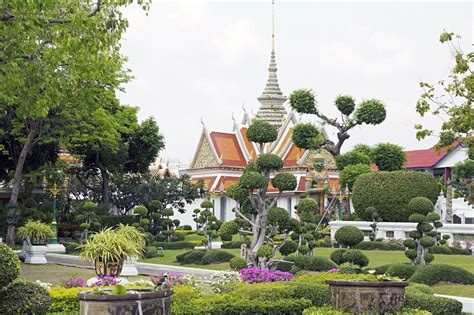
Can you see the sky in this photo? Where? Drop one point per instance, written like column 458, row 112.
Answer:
column 193, row 60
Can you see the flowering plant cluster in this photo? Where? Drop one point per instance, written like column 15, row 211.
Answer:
column 45, row 285
column 333, row 270
column 75, row 283
column 257, row 275
column 105, row 281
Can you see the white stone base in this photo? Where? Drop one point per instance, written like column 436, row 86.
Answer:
column 55, row 248
column 130, row 267
column 36, row 255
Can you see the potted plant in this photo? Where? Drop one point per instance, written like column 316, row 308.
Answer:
column 133, row 235
column 108, row 249
column 36, row 235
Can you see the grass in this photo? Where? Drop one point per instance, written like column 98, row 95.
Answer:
column 454, row 289
column 57, row 274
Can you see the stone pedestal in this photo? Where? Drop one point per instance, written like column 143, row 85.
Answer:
column 136, row 301
column 130, row 267
column 35, row 255
column 55, row 248
column 377, row 297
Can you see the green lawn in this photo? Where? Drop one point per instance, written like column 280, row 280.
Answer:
column 376, row 258
column 454, row 289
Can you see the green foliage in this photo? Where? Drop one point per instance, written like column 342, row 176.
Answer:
column 151, row 252
column 318, row 294
column 390, row 193
column 191, row 257
column 427, row 241
column 229, row 227
column 265, row 251
column 303, row 101
column 345, row 104
column 355, row 257
column 119, row 290
column 269, row 162
column 9, row 265
column 388, row 157
column 237, row 263
column 237, row 192
column 303, row 249
column 174, row 245
column 284, row 182
column 278, row 217
column 24, row 297
column 64, row 300
column 352, row 158
column 433, row 274
column 35, row 232
column 416, row 218
column 337, row 256
column 349, row 175
column 140, row 210
column 306, row 136
column 235, row 244
column 371, row 112
column 261, row 132
column 288, row 248
column 349, row 235
column 225, row 237
column 402, row 271
column 252, row 180
column 435, row 305
column 207, row 204
column 216, row 257
column 307, row 205
column 308, row 263
column 378, row 246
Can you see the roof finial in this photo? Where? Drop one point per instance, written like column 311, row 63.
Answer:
column 273, row 25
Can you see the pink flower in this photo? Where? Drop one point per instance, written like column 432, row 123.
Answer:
column 257, row 275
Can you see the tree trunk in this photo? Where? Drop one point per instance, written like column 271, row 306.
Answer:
column 105, row 186
column 16, row 183
column 449, row 202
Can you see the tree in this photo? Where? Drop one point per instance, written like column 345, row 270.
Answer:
column 348, row 176
column 388, row 157
column 375, row 220
column 352, row 158
column 451, row 99
column 207, row 220
column 307, row 136
column 464, row 174
column 56, row 56
column 255, row 181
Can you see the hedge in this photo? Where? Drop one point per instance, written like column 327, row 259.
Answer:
column 24, row 297
column 234, row 244
column 203, row 257
column 328, row 310
column 378, row 246
column 9, row 265
column 114, row 220
column 174, row 245
column 64, row 300
column 309, row 263
column 390, row 193
column 432, row 274
column 216, row 257
column 433, row 304
column 402, row 271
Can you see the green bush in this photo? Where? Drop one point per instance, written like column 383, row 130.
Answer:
column 328, row 310
column 237, row 263
column 432, row 274
column 226, row 237
column 229, row 228
column 216, row 256
column 308, row 263
column 459, row 251
column 380, row 270
column 24, row 297
column 151, row 252
column 72, row 247
column 418, row 288
column 113, row 220
column 402, row 271
column 378, row 246
column 349, row 235
column 337, row 256
column 288, row 248
column 435, row 305
column 421, row 205
column 319, row 295
column 191, row 257
column 174, row 245
column 234, row 244
column 390, row 193
column 64, row 300
column 355, row 257
column 261, row 132
column 9, row 265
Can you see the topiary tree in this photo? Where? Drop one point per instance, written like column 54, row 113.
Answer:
column 255, row 181
column 208, row 221
column 421, row 205
column 423, row 238
column 306, row 210
column 375, row 220
column 352, row 158
column 9, row 265
column 88, row 220
column 463, row 174
column 390, row 193
column 388, row 157
column 349, row 175
column 351, row 256
column 308, row 136
column 228, row 229
column 349, row 236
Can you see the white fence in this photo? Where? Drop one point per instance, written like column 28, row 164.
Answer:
column 400, row 230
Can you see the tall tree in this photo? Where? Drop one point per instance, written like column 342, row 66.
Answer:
column 308, row 136
column 55, row 56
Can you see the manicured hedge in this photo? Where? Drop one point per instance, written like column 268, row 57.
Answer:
column 309, row 263
column 174, row 245
column 234, row 244
column 390, row 193
column 403, row 271
column 433, row 304
column 432, row 274
column 328, row 310
column 64, row 300
column 114, row 220
column 24, row 297
column 9, row 265
column 203, row 257
column 378, row 246
column 191, row 257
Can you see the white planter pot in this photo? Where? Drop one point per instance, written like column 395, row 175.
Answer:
column 55, row 248
column 130, row 267
column 36, row 255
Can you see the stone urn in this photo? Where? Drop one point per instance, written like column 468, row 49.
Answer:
column 35, row 254
column 377, row 297
column 135, row 301
column 130, row 267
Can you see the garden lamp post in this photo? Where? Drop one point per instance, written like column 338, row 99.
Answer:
column 53, row 244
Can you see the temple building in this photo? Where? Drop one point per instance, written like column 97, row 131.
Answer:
column 221, row 156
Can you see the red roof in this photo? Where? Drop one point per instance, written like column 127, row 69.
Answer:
column 228, row 149
column 426, row 158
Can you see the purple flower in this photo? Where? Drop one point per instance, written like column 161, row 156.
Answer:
column 170, row 278
column 75, row 283
column 257, row 275
column 333, row 270
column 105, row 281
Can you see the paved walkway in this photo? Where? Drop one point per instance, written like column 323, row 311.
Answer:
column 143, row 268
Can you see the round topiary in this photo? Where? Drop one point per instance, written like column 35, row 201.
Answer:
column 237, row 263
column 284, row 181
column 229, row 228
column 261, row 132
column 356, row 257
column 303, row 249
column 306, row 136
column 427, row 241
column 265, row 251
column 352, row 158
column 252, row 180
column 226, row 237
column 415, row 234
column 337, row 256
column 24, row 297
column 269, row 162
column 410, row 253
column 349, row 235
column 168, row 212
column 371, row 112
column 421, row 205
column 409, row 243
column 424, row 227
column 278, row 217
column 417, row 218
column 288, row 248
column 307, row 205
column 402, row 271
column 303, row 101
column 345, row 104
column 207, row 204
column 140, row 210
column 9, row 265
column 429, row 257
column 432, row 216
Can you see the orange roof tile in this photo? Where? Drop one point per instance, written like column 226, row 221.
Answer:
column 248, row 144
column 208, row 181
column 228, row 149
column 225, row 181
column 292, row 156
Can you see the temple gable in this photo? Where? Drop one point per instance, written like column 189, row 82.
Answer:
column 205, row 156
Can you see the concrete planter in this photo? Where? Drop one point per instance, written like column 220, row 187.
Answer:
column 35, row 254
column 138, row 301
column 367, row 296
column 56, row 248
column 130, row 267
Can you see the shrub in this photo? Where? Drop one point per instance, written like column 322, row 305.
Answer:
column 337, row 256
column 174, row 245
column 349, row 235
column 328, row 310
column 440, row 250
column 113, row 220
column 319, row 295
column 388, row 157
column 151, row 252
column 378, row 246
column 403, row 271
column 258, row 275
column 216, row 256
column 177, row 237
column 459, row 251
column 226, row 237
column 418, row 288
column 191, row 257
column 237, row 263
column 23, row 297
column 229, row 227
column 380, row 270
column 308, row 263
column 261, row 132
column 234, row 244
column 64, row 300
column 72, row 247
column 289, row 247
column 421, row 205
column 355, row 257
column 352, row 158
column 432, row 274
column 435, row 305
column 390, row 193
column 186, row 227
column 9, row 265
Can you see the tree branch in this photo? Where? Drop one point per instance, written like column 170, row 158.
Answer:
column 7, row 15
column 274, row 201
column 245, row 218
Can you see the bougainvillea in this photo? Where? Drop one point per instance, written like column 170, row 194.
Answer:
column 257, row 275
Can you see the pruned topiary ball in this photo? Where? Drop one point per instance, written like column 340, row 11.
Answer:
column 349, row 235
column 261, row 132
column 269, row 162
column 252, row 180
column 345, row 104
column 284, row 182
column 420, row 205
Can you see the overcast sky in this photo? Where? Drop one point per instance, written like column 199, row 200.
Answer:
column 208, row 58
